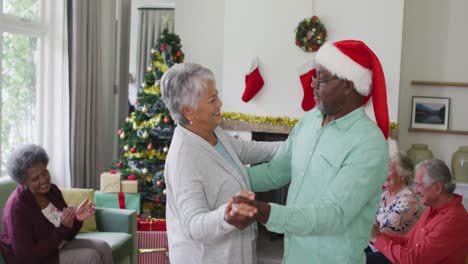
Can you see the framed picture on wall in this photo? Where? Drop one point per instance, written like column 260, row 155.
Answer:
column 430, row 112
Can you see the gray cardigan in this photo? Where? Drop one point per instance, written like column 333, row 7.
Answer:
column 199, row 181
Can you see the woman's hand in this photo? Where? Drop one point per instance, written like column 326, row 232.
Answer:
column 85, row 210
column 68, row 216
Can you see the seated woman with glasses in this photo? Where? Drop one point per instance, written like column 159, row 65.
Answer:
column 38, row 226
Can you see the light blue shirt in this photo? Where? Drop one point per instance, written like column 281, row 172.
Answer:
column 336, row 173
column 222, row 151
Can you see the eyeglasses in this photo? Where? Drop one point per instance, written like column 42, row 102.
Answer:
column 322, row 82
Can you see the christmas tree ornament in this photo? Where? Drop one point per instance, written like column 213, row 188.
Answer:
column 165, row 149
column 146, row 135
column 119, row 131
column 164, row 191
column 153, row 51
column 167, row 120
column 127, row 119
column 253, row 81
column 122, row 136
column 119, row 165
column 126, row 147
column 131, row 177
column 159, row 183
column 157, row 199
column 135, row 126
column 306, row 73
column 150, row 147
column 150, row 68
column 143, row 85
column 354, row 61
column 144, row 109
column 144, row 171
column 133, row 149
column 163, row 47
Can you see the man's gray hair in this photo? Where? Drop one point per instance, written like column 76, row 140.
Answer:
column 437, row 171
column 404, row 167
column 23, row 158
column 182, row 86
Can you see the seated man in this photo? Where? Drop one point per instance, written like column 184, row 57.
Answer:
column 440, row 235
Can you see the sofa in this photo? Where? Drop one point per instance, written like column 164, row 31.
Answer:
column 115, row 226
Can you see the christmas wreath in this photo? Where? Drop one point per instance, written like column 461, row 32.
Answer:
column 310, row 34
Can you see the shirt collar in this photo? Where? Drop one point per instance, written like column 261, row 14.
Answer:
column 445, row 207
column 344, row 122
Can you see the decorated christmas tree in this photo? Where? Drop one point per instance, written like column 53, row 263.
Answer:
column 147, row 133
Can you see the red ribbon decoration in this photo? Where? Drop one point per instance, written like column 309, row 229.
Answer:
column 121, row 200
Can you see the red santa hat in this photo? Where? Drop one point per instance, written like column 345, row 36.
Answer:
column 354, row 61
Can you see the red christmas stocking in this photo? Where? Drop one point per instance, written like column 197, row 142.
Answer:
column 253, row 82
column 308, row 101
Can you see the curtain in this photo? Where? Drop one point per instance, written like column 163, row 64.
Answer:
column 85, row 65
column 53, row 97
column 150, row 26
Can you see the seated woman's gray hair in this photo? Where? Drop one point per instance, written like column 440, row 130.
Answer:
column 182, row 86
column 23, row 158
column 404, row 166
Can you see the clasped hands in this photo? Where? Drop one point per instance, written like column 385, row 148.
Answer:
column 242, row 210
column 81, row 213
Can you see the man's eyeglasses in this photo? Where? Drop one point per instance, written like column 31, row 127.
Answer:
column 322, row 82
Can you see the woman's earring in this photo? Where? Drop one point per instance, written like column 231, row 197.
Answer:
column 191, row 123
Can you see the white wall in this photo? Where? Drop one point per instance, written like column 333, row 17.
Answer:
column 200, row 27
column 434, row 48
column 225, row 35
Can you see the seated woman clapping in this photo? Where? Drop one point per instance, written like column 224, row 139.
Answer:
column 38, row 226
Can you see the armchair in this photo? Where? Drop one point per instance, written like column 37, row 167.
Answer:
column 116, row 227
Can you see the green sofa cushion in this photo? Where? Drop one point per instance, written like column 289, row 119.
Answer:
column 115, row 240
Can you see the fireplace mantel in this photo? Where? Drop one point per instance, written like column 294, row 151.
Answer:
column 237, row 125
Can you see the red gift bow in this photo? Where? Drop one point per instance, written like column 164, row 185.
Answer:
column 121, row 200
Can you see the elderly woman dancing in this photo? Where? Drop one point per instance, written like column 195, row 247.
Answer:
column 38, row 226
column 399, row 207
column 204, row 168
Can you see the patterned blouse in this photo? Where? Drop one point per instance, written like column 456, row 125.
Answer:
column 398, row 216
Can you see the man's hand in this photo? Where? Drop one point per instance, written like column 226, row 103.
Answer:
column 243, row 210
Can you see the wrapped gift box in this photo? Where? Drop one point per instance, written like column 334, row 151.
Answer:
column 151, row 224
column 129, row 186
column 152, row 247
column 110, row 182
column 131, row 201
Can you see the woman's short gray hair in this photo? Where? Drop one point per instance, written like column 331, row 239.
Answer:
column 182, row 86
column 437, row 171
column 23, row 158
column 404, row 167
